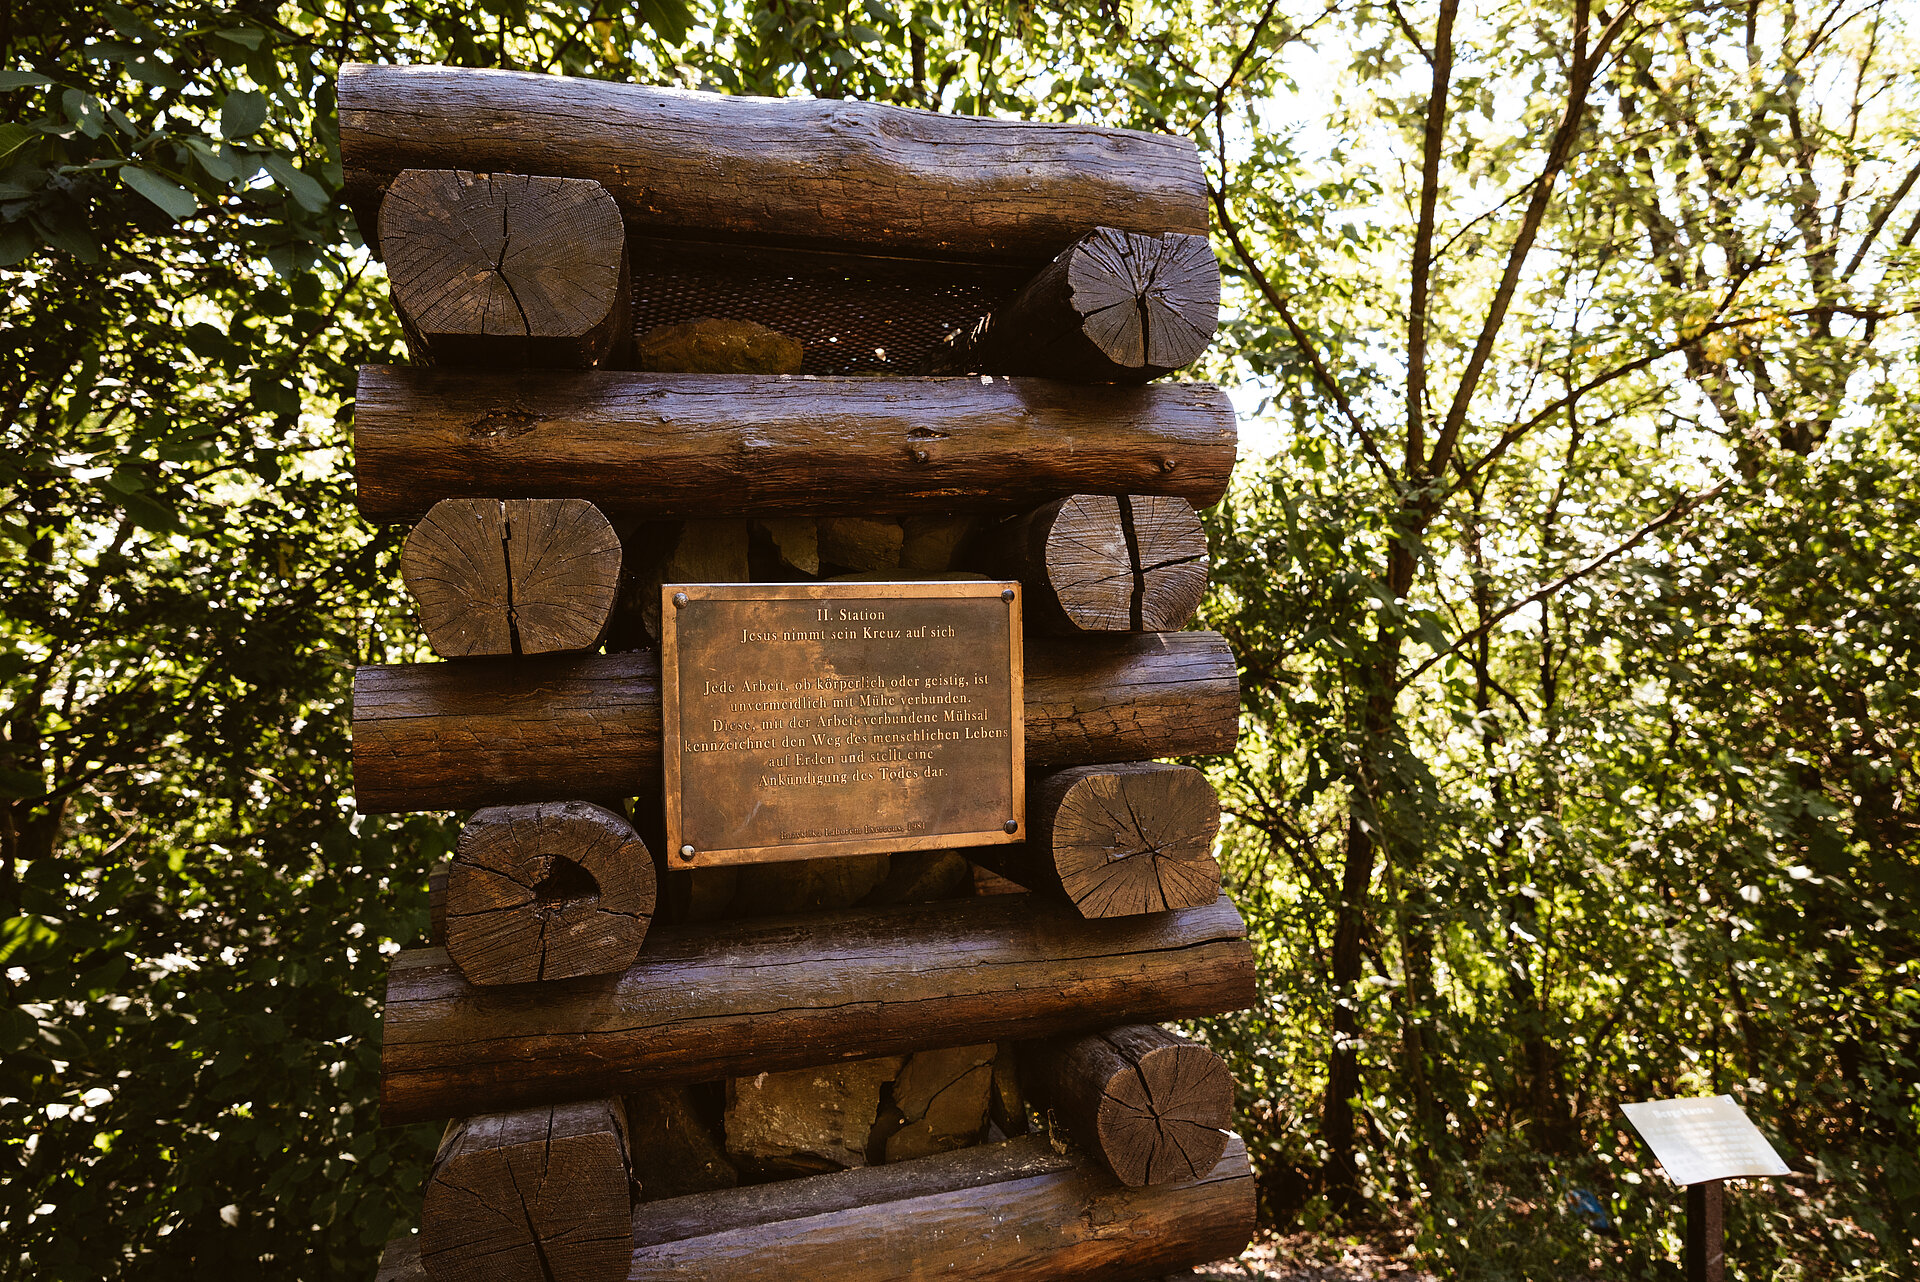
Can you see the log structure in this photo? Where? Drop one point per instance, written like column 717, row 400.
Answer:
column 1116, row 307
column 1117, row 840
column 833, row 174
column 548, row 891
column 436, row 736
column 540, row 1195
column 714, row 445
column 1149, row 1105
column 506, row 269
column 662, row 337
column 514, row 576
column 1013, row 1210
column 734, row 999
column 1100, row 562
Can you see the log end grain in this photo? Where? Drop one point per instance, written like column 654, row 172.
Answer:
column 549, row 891
column 1134, row 838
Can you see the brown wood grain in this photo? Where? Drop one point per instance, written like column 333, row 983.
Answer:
column 1116, row 307
column 547, row 891
column 731, row 445
column 1010, row 1212
column 515, row 576
column 1100, row 562
column 734, row 999
column 482, row 732
column 538, row 1195
column 506, row 269
column 831, row 174
column 1117, row 840
column 1149, row 1105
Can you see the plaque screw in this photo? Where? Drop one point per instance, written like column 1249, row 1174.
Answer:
column 1167, row 465
column 1007, row 595
column 1012, row 825
column 686, row 852
column 680, row 599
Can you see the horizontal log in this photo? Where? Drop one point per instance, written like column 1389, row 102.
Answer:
column 832, row 174
column 739, row 998
column 1117, row 840
column 538, row 1195
column 1149, row 1105
column 483, row 732
column 1010, row 1212
column 1117, row 307
column 733, row 445
column 506, row 269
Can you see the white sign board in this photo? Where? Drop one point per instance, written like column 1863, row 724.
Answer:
column 1704, row 1139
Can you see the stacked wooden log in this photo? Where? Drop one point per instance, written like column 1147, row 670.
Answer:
column 875, row 1065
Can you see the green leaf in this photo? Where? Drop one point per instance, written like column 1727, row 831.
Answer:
column 242, row 114
column 23, row 80
column 172, row 198
column 12, row 138
column 149, row 514
column 242, row 36
column 668, row 17
column 310, row 194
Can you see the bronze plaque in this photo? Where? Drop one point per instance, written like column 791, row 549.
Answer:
column 811, row 719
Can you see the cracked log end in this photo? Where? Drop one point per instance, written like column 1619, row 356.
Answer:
column 506, row 269
column 519, row 576
column 548, row 891
column 1134, row 838
column 1151, row 1105
column 1102, row 563
column 540, row 1195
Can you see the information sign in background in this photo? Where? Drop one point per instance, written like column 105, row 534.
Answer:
column 812, row 719
column 1709, row 1138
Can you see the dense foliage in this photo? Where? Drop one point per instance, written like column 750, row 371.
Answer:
column 1571, row 567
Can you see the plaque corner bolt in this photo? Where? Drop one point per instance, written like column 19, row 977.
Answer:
column 680, row 599
column 1011, row 825
column 1007, row 594
column 687, row 853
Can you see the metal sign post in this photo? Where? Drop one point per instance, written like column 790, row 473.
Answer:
column 1701, row 1143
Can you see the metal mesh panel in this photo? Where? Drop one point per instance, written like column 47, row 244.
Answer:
column 854, row 315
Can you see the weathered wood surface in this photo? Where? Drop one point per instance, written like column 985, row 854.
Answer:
column 1100, row 562
column 1152, row 1106
column 1116, row 307
column 506, row 269
column 1117, row 840
column 513, row 576
column 737, row 998
column 834, row 174
column 1010, row 1212
column 547, row 891
column 543, row 1194
column 445, row 736
column 730, row 445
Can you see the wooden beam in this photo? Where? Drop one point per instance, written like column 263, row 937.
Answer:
column 1114, row 841
column 1117, row 307
column 539, row 1195
column 1100, row 562
column 738, row 998
column 514, row 576
column 506, row 269
column 753, row 445
column 1014, row 1210
column 484, row 732
column 1149, row 1105
column 548, row 891
column 829, row 174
